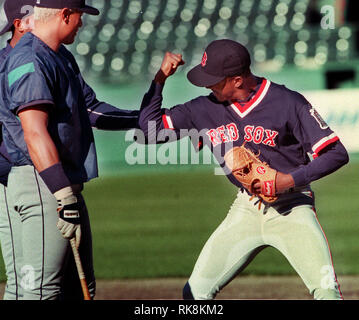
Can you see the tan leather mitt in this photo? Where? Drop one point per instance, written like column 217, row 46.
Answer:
column 249, row 169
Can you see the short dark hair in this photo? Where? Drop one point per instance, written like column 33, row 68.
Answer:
column 246, row 72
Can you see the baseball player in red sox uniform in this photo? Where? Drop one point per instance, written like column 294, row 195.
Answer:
column 290, row 136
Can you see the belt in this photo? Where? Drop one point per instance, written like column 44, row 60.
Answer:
column 297, row 189
column 291, row 190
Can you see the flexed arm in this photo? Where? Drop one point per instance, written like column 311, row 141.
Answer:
column 152, row 101
column 169, row 66
column 328, row 161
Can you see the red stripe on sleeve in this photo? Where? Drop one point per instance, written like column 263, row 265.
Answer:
column 325, row 144
column 165, row 123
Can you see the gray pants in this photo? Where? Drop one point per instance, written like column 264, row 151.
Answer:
column 10, row 246
column 48, row 271
column 246, row 230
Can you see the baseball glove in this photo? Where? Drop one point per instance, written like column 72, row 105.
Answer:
column 249, row 169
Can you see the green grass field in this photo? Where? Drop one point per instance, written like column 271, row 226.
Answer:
column 155, row 224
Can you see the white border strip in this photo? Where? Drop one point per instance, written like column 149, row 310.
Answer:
column 169, row 122
column 322, row 141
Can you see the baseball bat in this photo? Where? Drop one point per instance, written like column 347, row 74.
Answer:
column 80, row 270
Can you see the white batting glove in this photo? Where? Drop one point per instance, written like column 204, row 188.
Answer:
column 69, row 214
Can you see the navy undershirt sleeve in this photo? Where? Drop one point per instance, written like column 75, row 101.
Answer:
column 104, row 116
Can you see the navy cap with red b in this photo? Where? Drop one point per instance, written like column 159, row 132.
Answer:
column 71, row 4
column 10, row 10
column 221, row 59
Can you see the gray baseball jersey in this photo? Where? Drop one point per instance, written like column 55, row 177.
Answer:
column 32, row 75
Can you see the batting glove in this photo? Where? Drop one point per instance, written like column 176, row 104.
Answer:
column 69, row 215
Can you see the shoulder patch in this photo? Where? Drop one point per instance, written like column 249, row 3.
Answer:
column 314, row 113
column 19, row 72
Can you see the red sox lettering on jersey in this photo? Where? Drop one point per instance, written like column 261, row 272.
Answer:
column 276, row 121
column 229, row 133
column 223, row 134
column 260, row 135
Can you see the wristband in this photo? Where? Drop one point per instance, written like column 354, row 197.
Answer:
column 55, row 177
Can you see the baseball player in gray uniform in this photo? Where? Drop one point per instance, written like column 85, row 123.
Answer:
column 48, row 112
column 284, row 131
column 15, row 17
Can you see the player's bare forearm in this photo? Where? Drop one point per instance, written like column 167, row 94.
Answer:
column 40, row 145
column 283, row 182
column 170, row 63
column 43, row 152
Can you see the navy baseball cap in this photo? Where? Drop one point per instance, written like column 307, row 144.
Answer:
column 221, row 59
column 11, row 10
column 71, row 4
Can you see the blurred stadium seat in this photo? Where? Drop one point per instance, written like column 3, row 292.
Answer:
column 128, row 40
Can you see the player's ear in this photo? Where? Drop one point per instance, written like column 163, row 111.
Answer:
column 17, row 24
column 26, row 24
column 238, row 81
column 65, row 14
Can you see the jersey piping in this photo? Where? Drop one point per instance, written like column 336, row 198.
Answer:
column 242, row 111
column 321, row 144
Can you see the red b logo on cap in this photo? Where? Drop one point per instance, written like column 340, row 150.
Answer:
column 204, row 59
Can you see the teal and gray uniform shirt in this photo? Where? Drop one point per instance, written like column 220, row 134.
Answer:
column 33, row 74
column 36, row 75
column 5, row 162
